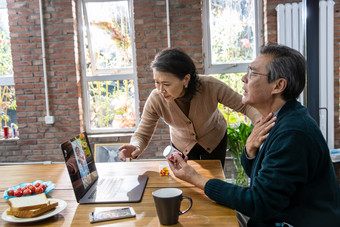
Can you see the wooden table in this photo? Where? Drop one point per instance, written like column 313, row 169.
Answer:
column 204, row 211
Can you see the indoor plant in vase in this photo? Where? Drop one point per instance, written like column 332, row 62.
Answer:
column 237, row 138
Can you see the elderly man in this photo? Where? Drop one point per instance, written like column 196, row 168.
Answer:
column 293, row 182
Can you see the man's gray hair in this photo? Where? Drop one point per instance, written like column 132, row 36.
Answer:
column 289, row 64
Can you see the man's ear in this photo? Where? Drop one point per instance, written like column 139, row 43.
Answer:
column 279, row 86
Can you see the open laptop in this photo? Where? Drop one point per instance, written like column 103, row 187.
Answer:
column 88, row 186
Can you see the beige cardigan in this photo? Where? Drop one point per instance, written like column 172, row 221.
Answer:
column 205, row 124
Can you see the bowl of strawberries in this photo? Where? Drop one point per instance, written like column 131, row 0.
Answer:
column 28, row 189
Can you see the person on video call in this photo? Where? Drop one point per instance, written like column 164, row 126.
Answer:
column 82, row 166
column 188, row 103
column 293, row 182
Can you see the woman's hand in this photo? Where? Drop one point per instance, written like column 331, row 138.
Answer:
column 259, row 134
column 128, row 151
column 185, row 172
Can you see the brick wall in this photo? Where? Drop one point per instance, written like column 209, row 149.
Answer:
column 38, row 141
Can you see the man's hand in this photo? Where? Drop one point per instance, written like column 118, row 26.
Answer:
column 183, row 171
column 128, row 151
column 259, row 134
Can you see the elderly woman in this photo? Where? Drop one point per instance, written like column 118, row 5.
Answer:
column 188, row 103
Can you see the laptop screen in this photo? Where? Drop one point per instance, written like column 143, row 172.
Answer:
column 80, row 163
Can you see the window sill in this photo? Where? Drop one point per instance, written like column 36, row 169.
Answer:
column 10, row 139
column 99, row 135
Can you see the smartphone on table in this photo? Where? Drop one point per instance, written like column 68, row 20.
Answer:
column 111, row 213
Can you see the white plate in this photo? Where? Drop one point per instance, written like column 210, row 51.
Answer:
column 61, row 206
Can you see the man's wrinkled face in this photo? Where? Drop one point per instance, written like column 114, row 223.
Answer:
column 257, row 90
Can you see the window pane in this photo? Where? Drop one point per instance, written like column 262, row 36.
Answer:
column 6, row 67
column 232, row 28
column 234, row 81
column 8, row 106
column 112, row 104
column 8, row 113
column 109, row 49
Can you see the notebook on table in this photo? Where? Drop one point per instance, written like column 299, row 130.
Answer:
column 88, row 186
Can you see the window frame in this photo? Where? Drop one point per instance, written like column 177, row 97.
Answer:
column 7, row 81
column 210, row 68
column 104, row 75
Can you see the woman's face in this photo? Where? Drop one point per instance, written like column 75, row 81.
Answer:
column 79, row 153
column 169, row 85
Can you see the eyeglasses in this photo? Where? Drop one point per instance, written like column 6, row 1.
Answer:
column 250, row 73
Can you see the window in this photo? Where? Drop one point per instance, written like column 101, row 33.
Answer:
column 231, row 36
column 233, row 80
column 7, row 92
column 231, row 41
column 108, row 66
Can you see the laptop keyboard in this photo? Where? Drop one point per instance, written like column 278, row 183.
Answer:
column 107, row 188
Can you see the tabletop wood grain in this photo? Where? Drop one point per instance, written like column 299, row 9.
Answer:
column 204, row 212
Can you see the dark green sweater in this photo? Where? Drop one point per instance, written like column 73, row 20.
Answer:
column 292, row 177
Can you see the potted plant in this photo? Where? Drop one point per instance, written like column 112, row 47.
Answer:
column 237, row 138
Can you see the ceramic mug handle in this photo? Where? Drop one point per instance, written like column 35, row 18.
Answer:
column 188, row 198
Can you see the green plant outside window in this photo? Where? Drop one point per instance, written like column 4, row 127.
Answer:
column 233, row 80
column 6, row 66
column 232, row 30
column 7, row 90
column 7, row 102
column 238, row 128
column 112, row 104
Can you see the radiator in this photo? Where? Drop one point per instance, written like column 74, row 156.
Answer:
column 290, row 32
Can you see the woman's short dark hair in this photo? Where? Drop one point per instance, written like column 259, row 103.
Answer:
column 289, row 64
column 177, row 62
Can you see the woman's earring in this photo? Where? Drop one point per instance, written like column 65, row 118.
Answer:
column 186, row 86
